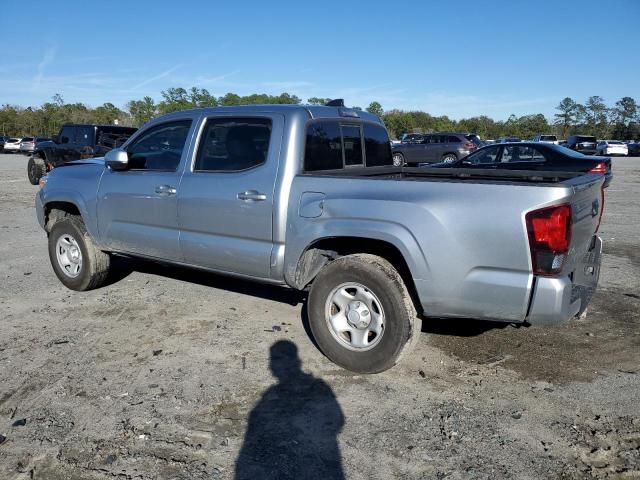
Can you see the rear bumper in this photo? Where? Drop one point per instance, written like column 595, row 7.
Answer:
column 556, row 300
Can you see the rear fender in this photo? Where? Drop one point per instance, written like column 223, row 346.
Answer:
column 393, row 233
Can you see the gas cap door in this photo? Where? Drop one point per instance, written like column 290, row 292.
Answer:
column 311, row 204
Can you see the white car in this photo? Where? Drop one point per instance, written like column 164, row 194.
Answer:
column 546, row 139
column 12, row 145
column 612, row 147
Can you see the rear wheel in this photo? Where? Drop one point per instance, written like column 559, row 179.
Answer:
column 75, row 259
column 449, row 157
column 361, row 315
column 36, row 168
column 398, row 160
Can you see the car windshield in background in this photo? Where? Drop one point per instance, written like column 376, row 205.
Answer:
column 548, row 138
column 581, row 139
column 614, row 142
column 27, row 139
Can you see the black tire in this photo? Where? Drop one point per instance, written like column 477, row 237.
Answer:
column 399, row 156
column 36, row 168
column 401, row 323
column 95, row 264
column 449, row 157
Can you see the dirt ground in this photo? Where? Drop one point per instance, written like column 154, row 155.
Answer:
column 175, row 374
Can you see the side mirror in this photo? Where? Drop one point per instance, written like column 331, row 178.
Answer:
column 117, row 159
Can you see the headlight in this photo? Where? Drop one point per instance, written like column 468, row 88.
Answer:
column 43, row 181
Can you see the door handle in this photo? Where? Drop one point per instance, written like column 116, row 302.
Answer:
column 165, row 190
column 252, row 196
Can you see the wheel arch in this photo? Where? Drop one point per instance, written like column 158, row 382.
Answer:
column 54, row 211
column 322, row 251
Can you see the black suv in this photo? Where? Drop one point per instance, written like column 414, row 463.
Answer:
column 582, row 143
column 75, row 142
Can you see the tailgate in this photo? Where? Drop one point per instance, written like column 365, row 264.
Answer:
column 587, row 203
column 582, row 264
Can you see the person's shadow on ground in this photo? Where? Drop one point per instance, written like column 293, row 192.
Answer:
column 293, row 429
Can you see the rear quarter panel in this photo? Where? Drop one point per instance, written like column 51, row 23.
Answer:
column 465, row 243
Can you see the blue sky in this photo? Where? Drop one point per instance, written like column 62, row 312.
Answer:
column 448, row 58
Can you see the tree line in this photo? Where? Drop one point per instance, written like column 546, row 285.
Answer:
column 594, row 117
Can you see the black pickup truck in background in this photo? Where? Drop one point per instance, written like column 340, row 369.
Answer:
column 75, row 142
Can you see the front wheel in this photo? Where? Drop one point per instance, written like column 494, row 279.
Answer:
column 398, row 160
column 449, row 158
column 75, row 259
column 36, row 168
column 361, row 315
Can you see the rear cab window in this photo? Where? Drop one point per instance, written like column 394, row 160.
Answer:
column 333, row 145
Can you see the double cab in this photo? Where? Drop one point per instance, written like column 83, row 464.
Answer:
column 308, row 198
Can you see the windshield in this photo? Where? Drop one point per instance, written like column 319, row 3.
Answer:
column 585, row 139
column 549, row 138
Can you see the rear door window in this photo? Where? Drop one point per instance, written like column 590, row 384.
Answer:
column 84, row 136
column 453, row 139
column 233, row 144
column 521, row 154
column 323, row 150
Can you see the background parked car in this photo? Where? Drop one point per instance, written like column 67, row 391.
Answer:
column 612, row 147
column 432, row 148
column 634, row 149
column 586, row 144
column 12, row 145
column 546, row 139
column 75, row 142
column 29, row 144
column 2, row 140
column 533, row 156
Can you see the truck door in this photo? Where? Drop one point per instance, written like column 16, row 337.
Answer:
column 138, row 207
column 225, row 202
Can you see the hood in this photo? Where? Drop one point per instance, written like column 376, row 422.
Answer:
column 85, row 161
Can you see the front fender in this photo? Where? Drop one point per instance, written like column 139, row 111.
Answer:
column 45, row 200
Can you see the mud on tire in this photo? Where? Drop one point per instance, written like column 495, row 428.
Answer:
column 36, row 168
column 377, row 290
column 75, row 259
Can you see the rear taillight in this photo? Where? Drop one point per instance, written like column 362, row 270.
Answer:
column 601, row 167
column 469, row 145
column 549, row 232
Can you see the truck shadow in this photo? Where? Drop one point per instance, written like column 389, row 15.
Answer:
column 460, row 327
column 125, row 267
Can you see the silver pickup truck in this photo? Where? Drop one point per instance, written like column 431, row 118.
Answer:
column 308, row 197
